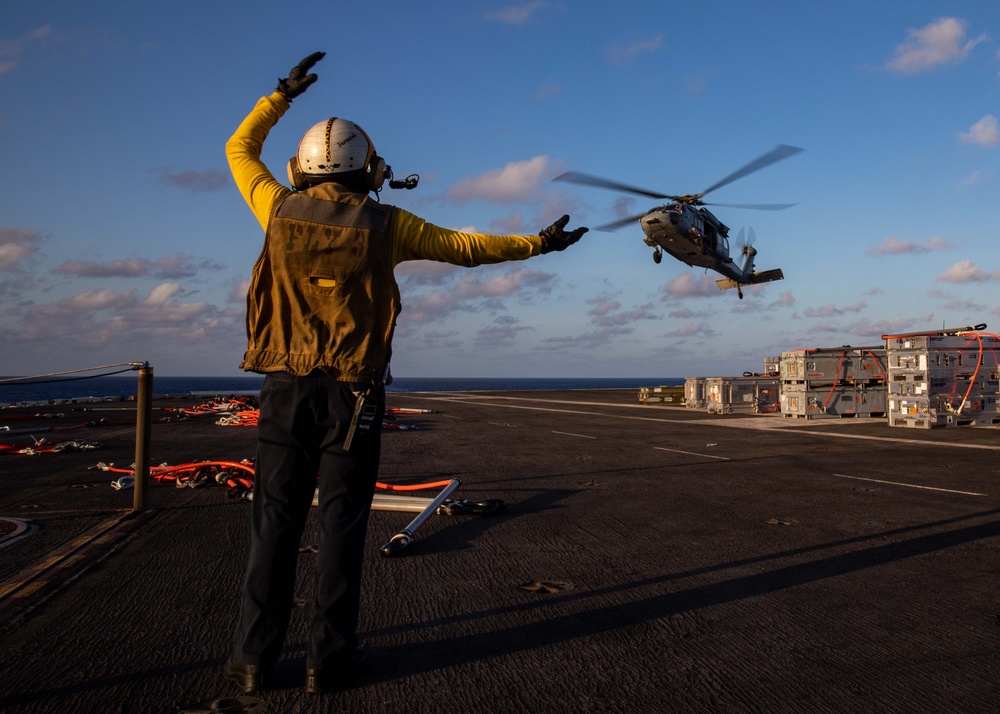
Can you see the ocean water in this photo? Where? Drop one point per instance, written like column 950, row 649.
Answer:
column 124, row 387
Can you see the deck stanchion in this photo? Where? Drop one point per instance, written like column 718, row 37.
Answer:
column 143, row 422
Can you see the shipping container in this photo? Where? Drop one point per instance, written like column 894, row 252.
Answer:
column 943, row 380
column 755, row 394
column 673, row 395
column 835, row 402
column 827, row 366
column 694, row 392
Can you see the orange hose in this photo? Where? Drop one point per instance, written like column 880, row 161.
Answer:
column 169, row 473
column 829, row 396
column 411, row 487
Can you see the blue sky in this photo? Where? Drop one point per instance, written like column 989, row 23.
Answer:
column 123, row 238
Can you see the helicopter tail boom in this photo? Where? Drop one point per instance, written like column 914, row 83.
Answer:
column 754, row 279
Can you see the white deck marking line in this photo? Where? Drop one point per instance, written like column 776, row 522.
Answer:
column 566, row 433
column 732, row 424
column 691, row 453
column 910, row 485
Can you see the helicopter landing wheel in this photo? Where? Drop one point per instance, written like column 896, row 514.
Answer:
column 739, row 292
column 657, row 256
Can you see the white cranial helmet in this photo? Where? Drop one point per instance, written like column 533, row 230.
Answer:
column 337, row 146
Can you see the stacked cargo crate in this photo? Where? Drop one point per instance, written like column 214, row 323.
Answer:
column 694, row 392
column 673, row 395
column 940, row 380
column 834, row 382
column 751, row 393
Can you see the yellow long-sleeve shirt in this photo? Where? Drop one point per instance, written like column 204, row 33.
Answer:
column 327, row 299
column 414, row 238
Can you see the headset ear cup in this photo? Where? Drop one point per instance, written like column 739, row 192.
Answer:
column 295, row 177
column 377, row 176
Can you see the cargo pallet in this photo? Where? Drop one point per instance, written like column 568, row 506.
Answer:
column 662, row 395
column 827, row 366
column 756, row 394
column 838, row 401
column 694, row 392
column 943, row 380
column 833, row 382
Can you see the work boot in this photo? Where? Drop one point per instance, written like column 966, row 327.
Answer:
column 339, row 676
column 248, row 677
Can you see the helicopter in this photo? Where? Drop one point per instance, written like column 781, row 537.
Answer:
column 690, row 232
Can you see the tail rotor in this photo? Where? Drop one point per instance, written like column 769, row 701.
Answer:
column 745, row 240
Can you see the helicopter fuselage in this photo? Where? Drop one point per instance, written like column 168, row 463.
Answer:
column 692, row 235
column 696, row 237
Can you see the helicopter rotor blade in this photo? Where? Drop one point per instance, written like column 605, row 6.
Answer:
column 620, row 223
column 588, row 180
column 781, row 151
column 754, row 206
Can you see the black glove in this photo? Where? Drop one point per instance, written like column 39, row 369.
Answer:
column 555, row 238
column 298, row 80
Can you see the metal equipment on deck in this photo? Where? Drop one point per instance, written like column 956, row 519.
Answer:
column 833, row 382
column 662, row 395
column 943, row 380
column 425, row 507
column 755, row 394
column 694, row 392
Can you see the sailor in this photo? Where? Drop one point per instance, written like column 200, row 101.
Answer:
column 321, row 311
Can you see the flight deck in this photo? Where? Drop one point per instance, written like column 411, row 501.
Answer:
column 648, row 558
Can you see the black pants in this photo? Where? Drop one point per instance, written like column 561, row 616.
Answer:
column 301, row 430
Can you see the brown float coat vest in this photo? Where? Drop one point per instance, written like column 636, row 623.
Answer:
column 323, row 294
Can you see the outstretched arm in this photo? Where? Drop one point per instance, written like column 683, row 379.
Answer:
column 416, row 239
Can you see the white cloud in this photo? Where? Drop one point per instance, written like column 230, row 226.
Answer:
column 516, row 182
column 964, row 306
column 426, row 272
column 160, row 294
column 500, row 333
column 966, row 271
column 515, row 14
column 603, row 306
column 867, row 328
column 92, row 300
column 621, row 54
column 685, row 313
column 833, row 310
column 469, row 291
column 693, row 329
column 11, row 50
column 109, row 318
column 173, row 266
column 690, row 285
column 895, row 246
column 196, row 181
column 16, row 244
column 601, row 337
column 940, row 42
column 608, row 313
column 985, row 132
column 503, row 285
column 786, row 299
column 977, row 177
